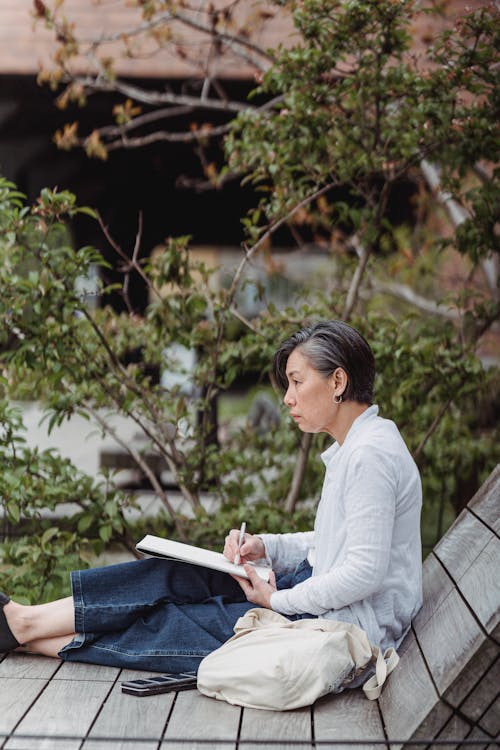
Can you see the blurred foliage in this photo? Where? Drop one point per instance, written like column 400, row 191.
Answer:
column 355, row 115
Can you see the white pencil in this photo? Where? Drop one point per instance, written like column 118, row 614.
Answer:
column 237, row 556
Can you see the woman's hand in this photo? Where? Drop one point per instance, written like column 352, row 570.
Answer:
column 255, row 589
column 251, row 549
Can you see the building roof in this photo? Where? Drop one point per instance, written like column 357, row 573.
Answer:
column 26, row 46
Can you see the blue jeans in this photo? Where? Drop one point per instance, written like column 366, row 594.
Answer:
column 158, row 615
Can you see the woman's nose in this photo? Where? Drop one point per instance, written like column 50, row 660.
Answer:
column 287, row 398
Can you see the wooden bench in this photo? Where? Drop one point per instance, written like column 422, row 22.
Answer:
column 447, row 683
column 444, row 690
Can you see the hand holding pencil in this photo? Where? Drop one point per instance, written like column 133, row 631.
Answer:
column 241, row 547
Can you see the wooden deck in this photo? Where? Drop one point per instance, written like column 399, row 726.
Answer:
column 47, row 704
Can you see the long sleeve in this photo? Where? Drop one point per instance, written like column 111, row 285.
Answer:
column 285, row 551
column 362, row 560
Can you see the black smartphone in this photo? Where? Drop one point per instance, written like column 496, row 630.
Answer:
column 162, row 683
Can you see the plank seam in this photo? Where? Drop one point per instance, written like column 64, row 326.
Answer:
column 457, row 587
column 493, row 663
column 238, row 731
column 14, row 728
column 475, row 618
column 473, row 512
column 439, row 696
column 491, row 703
column 460, row 716
column 98, row 713
column 442, row 698
column 382, row 723
column 169, row 716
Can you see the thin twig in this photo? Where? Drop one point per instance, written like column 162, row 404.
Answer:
column 242, row 47
column 299, row 471
column 406, row 293
column 249, row 253
column 145, row 119
column 352, row 294
column 125, row 257
column 229, row 300
column 132, row 265
column 136, row 456
column 156, row 97
column 431, row 429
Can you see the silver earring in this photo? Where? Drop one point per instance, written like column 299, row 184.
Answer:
column 338, row 399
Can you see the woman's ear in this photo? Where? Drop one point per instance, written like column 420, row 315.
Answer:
column 339, row 381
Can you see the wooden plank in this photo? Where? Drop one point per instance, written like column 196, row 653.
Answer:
column 495, row 634
column 27, row 665
column 196, row 717
column 483, row 693
column 471, row 677
column 480, row 586
column 64, row 709
column 350, row 716
column 410, row 705
column 490, row 722
column 463, row 543
column 486, row 501
column 128, row 719
column 455, row 729
column 436, row 586
column 276, row 726
column 16, row 696
column 449, row 640
column 483, row 741
column 71, row 670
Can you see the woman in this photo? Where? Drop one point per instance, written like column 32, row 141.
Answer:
column 361, row 564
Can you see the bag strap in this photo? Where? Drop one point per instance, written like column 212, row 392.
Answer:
column 385, row 664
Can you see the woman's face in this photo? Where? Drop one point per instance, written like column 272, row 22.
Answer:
column 310, row 395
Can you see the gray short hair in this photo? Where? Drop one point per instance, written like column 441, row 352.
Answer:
column 328, row 345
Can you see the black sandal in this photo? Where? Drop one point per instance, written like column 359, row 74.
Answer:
column 8, row 642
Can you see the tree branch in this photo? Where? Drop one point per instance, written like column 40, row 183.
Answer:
column 298, row 473
column 406, row 293
column 455, row 211
column 270, row 231
column 125, row 257
column 432, row 428
column 156, row 97
column 119, row 132
column 458, row 214
column 242, row 47
column 140, row 461
column 145, row 119
column 228, row 304
column 483, row 173
column 352, row 294
column 132, row 265
column 158, row 136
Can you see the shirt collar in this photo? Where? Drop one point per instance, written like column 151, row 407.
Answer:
column 358, row 424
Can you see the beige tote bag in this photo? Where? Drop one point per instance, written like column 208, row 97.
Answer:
column 277, row 664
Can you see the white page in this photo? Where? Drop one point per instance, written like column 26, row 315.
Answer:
column 156, row 545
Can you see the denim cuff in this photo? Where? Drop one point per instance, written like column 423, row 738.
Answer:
column 76, row 585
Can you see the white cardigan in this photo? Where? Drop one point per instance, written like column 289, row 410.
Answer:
column 365, row 547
